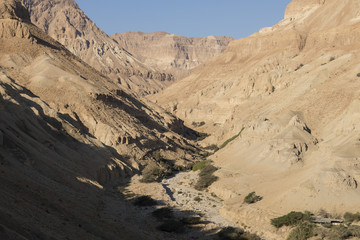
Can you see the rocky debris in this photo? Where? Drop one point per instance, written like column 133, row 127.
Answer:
column 171, row 53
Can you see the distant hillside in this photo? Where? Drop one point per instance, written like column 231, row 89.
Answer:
column 171, row 53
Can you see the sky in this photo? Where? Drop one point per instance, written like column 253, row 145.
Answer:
column 189, row 18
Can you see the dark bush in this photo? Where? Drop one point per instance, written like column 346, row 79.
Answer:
column 212, row 147
column 252, row 198
column 163, row 213
column 231, row 233
column 300, row 66
column 206, row 177
column 332, row 59
column 172, row 226
column 358, row 75
column 290, row 219
column 144, row 201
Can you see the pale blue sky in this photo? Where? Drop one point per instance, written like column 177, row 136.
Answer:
column 190, row 18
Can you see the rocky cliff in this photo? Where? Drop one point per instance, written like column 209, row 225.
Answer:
column 171, row 53
column 68, row 135
column 292, row 90
column 68, row 24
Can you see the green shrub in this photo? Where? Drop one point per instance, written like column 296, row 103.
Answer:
column 358, row 75
column 144, row 201
column 303, row 231
column 206, row 177
column 351, row 217
column 197, row 199
column 252, row 198
column 332, row 59
column 231, row 139
column 290, row 219
column 163, row 213
column 199, row 165
column 154, row 172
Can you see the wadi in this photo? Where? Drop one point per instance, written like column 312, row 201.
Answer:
column 158, row 136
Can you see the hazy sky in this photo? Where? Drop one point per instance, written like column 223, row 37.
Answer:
column 191, row 18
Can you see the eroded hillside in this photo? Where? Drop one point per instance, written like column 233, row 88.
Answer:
column 292, row 91
column 68, row 135
column 68, row 24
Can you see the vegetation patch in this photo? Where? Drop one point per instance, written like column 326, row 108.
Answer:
column 351, row 217
column 231, row 139
column 199, row 165
column 252, row 198
column 212, row 147
column 231, row 233
column 172, row 226
column 144, row 201
column 303, row 231
column 206, row 177
column 358, row 75
column 291, row 219
column 300, row 66
column 198, row 124
column 201, row 136
column 162, row 214
column 191, row 220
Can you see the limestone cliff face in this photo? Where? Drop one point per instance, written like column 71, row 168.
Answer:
column 65, row 22
column 169, row 52
column 292, row 90
column 67, row 133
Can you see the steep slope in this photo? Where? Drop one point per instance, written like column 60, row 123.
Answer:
column 294, row 90
column 171, row 53
column 68, row 24
column 68, row 135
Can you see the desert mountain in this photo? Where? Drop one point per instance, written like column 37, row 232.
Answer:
column 171, row 53
column 67, row 133
column 67, row 23
column 292, row 92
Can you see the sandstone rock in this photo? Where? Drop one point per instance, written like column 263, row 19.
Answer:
column 171, row 53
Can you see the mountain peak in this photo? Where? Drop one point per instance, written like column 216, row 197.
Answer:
column 13, row 9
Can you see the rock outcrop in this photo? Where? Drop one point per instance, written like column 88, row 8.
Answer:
column 294, row 90
column 68, row 24
column 171, row 53
column 68, row 135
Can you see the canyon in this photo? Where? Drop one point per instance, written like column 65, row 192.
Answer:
column 90, row 123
